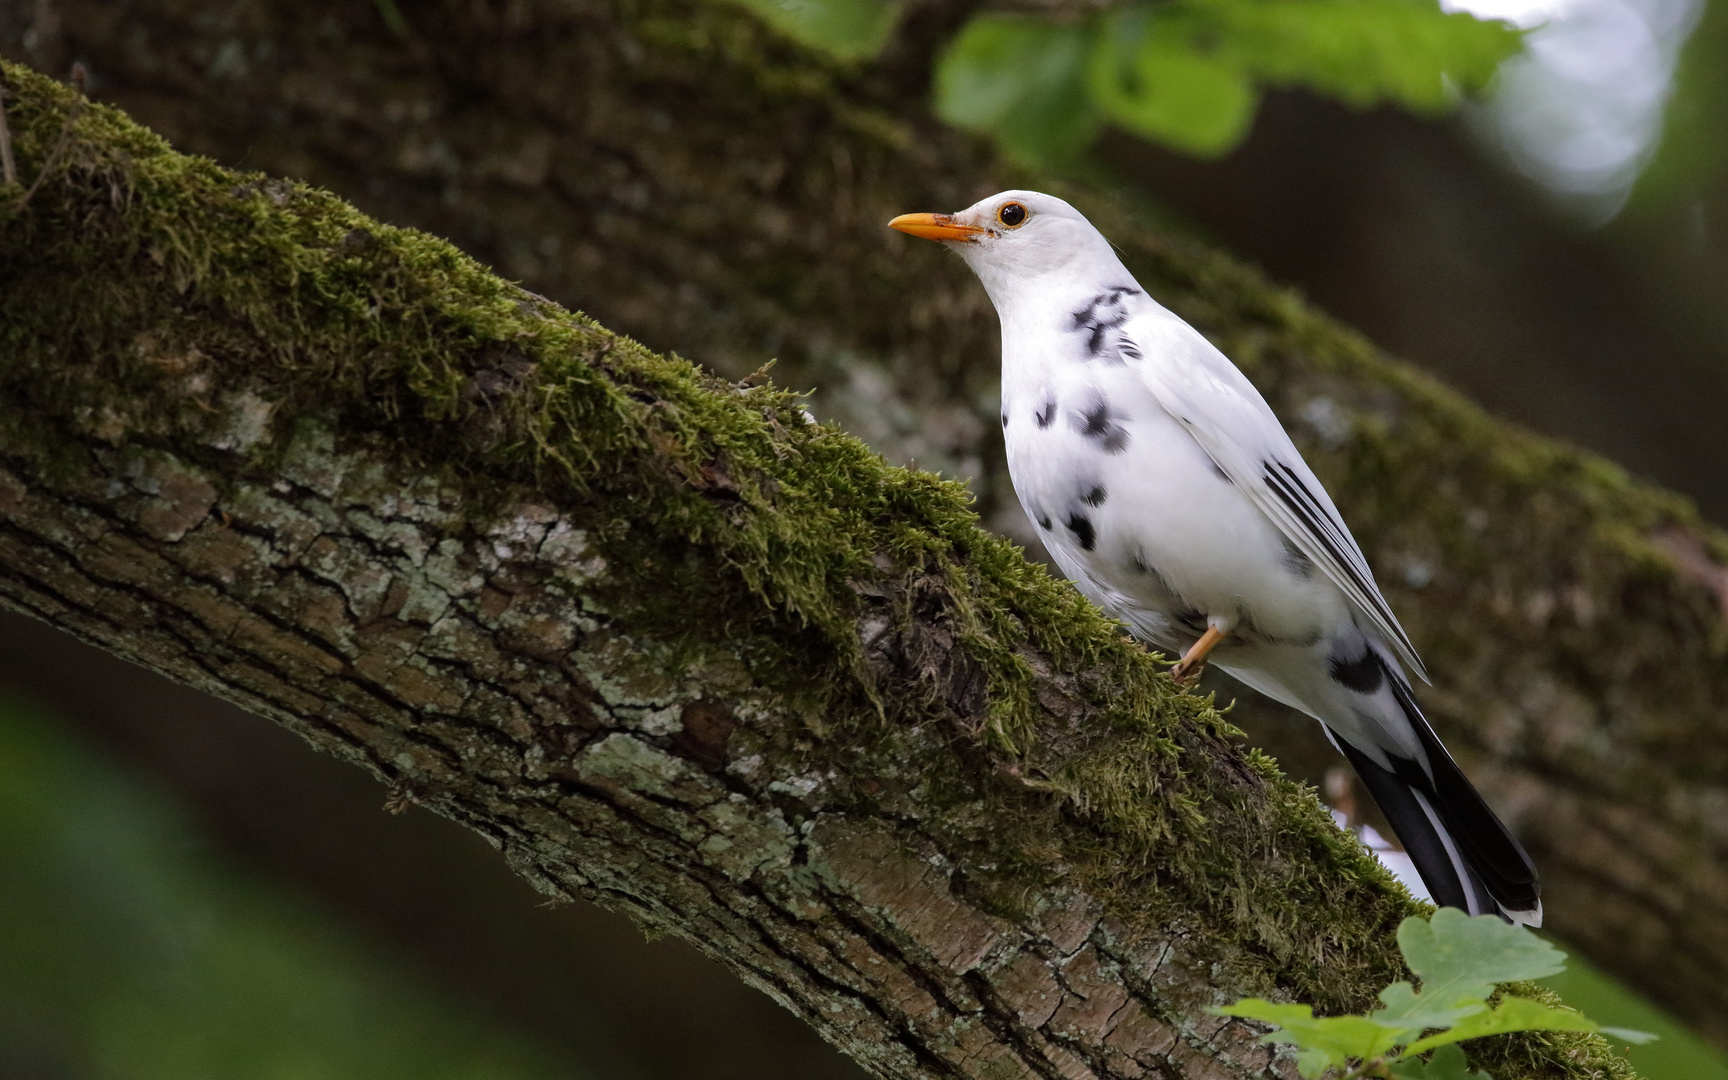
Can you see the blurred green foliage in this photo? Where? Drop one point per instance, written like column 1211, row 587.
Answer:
column 849, row 29
column 1185, row 73
column 1189, row 73
column 1691, row 164
column 1677, row 1053
column 128, row 952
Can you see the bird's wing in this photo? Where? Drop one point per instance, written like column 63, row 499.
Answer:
column 1202, row 389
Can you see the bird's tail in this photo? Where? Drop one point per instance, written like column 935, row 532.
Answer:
column 1466, row 856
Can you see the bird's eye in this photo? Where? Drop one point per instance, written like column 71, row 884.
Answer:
column 1013, row 214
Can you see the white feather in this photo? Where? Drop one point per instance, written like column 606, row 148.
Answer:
column 1204, row 391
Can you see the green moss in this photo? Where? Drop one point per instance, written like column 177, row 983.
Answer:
column 138, row 281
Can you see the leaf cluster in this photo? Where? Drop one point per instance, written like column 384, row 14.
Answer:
column 1184, row 73
column 1189, row 73
column 848, row 29
column 1459, row 961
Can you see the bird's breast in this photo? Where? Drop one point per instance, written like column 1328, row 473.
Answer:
column 1138, row 515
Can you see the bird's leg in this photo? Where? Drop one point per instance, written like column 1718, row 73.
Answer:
column 1193, row 661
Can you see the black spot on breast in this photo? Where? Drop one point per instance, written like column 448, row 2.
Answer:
column 1099, row 423
column 1004, row 418
column 1095, row 339
column 1296, row 562
column 1044, row 522
column 1081, row 527
column 1363, row 674
column 1096, row 496
column 1100, row 325
column 1046, row 413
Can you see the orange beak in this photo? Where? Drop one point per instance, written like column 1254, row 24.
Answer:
column 935, row 227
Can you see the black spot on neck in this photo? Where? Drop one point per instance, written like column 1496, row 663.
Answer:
column 1045, row 413
column 1363, row 674
column 1044, row 522
column 1081, row 527
column 1096, row 496
column 1004, row 418
column 1100, row 323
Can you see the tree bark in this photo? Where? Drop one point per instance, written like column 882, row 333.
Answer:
column 582, row 984
column 665, row 642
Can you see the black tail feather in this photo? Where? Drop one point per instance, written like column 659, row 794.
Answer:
column 1488, row 847
column 1465, row 854
column 1446, row 874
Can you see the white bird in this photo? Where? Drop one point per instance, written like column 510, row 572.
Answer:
column 1165, row 488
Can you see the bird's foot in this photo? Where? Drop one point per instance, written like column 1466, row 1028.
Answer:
column 1187, row 670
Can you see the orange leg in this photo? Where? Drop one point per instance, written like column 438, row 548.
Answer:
column 1193, row 661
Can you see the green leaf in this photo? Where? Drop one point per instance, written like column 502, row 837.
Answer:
column 1447, row 1064
column 1313, row 1063
column 1460, row 959
column 1161, row 74
column 849, row 29
column 1325, row 1042
column 1022, row 80
column 1364, row 51
column 1512, row 1014
column 1415, row 1013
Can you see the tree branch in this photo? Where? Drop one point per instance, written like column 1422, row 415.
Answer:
column 663, row 641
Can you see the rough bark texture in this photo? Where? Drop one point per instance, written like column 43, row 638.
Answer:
column 688, row 179
column 574, row 979
column 665, row 642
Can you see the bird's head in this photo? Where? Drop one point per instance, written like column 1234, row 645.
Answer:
column 1015, row 237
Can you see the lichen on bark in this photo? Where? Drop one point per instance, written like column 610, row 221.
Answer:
column 666, row 642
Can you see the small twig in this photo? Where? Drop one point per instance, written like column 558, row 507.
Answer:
column 61, row 144
column 757, row 377
column 401, row 798
column 8, row 168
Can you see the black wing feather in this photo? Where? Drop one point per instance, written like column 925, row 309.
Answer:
column 1293, row 493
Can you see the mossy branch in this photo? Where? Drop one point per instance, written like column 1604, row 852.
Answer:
column 668, row 644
